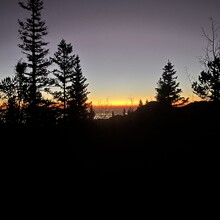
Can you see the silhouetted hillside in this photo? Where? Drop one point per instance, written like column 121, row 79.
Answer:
column 153, row 140
column 156, row 139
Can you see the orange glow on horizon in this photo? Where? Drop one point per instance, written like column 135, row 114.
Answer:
column 114, row 106
column 126, row 103
column 120, row 103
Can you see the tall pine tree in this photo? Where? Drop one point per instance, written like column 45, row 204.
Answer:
column 168, row 91
column 78, row 94
column 65, row 61
column 32, row 32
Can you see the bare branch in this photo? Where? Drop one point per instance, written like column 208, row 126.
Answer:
column 212, row 49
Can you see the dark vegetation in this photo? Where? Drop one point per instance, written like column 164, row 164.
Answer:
column 59, row 137
column 153, row 141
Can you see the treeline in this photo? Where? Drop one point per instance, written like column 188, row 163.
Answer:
column 25, row 98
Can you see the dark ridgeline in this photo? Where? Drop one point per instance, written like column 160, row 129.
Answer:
column 59, row 137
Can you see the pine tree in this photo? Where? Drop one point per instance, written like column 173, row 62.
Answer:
column 20, row 69
column 91, row 112
column 124, row 112
column 21, row 87
column 208, row 84
column 78, row 94
column 65, row 60
column 140, row 104
column 13, row 90
column 168, row 91
column 8, row 94
column 32, row 32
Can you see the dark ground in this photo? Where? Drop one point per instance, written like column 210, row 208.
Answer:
column 152, row 143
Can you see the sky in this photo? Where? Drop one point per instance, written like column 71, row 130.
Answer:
column 123, row 45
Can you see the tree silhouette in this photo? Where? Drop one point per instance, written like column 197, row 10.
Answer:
column 208, row 84
column 20, row 69
column 13, row 93
column 32, row 31
column 124, row 112
column 78, row 94
column 140, row 104
column 65, row 60
column 91, row 112
column 8, row 93
column 168, row 91
column 21, row 87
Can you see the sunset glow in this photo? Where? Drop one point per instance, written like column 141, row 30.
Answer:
column 122, row 46
column 114, row 103
column 110, row 90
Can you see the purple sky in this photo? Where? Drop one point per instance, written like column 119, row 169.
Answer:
column 123, row 44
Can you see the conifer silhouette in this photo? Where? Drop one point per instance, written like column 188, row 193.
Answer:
column 8, row 93
column 78, row 93
column 168, row 91
column 32, row 32
column 65, row 60
column 208, row 84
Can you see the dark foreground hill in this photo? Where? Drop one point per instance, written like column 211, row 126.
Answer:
column 151, row 142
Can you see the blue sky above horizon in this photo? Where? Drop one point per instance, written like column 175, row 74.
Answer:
column 123, row 44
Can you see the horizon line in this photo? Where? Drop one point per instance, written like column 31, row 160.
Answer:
column 115, row 106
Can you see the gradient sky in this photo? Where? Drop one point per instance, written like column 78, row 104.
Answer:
column 123, row 44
